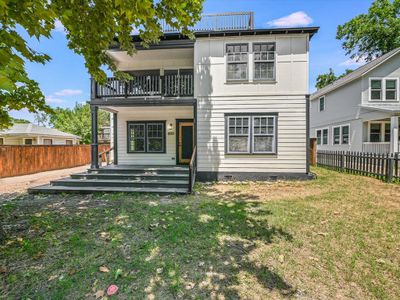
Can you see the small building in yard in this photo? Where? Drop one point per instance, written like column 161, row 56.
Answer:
column 360, row 112
column 31, row 134
column 230, row 104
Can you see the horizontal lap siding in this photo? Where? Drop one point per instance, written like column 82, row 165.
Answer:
column 291, row 156
column 168, row 114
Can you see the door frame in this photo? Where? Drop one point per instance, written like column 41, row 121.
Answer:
column 177, row 121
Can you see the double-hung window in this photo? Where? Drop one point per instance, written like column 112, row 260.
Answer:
column 390, row 89
column 376, row 89
column 322, row 136
column 251, row 134
column 146, row 137
column 383, row 89
column 322, row 104
column 319, row 137
column 237, row 61
column 336, row 135
column 341, row 135
column 345, row 130
column 264, row 61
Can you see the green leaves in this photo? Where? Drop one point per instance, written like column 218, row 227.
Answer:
column 373, row 34
column 326, row 79
column 91, row 27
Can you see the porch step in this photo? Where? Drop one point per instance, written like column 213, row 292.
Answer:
column 128, row 176
column 52, row 189
column 120, row 183
column 141, row 169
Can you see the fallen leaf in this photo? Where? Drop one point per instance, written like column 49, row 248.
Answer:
column 3, row 269
column 52, row 277
column 322, row 233
column 99, row 294
column 381, row 261
column 104, row 269
column 112, row 289
column 159, row 270
column 281, row 258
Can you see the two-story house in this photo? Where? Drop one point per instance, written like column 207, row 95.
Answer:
column 360, row 112
column 231, row 104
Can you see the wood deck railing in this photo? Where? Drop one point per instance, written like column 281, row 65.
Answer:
column 145, row 86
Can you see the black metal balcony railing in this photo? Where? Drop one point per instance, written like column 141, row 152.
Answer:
column 145, row 86
column 219, row 22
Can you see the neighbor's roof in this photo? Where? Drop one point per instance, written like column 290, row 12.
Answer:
column 355, row 74
column 35, row 130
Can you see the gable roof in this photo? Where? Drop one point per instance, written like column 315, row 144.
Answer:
column 357, row 73
column 35, row 130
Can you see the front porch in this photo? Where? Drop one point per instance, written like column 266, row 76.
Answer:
column 381, row 136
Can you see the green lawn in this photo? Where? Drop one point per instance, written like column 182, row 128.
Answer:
column 334, row 237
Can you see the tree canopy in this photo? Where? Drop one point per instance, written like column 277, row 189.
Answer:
column 77, row 121
column 91, row 26
column 326, row 79
column 373, row 34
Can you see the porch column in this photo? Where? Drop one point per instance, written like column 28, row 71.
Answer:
column 394, row 134
column 115, row 138
column 95, row 146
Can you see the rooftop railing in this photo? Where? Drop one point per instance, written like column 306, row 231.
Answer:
column 219, row 22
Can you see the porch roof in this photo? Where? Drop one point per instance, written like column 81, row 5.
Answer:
column 386, row 107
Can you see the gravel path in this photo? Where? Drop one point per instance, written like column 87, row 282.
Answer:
column 19, row 184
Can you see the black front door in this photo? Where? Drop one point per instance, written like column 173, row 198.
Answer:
column 185, row 141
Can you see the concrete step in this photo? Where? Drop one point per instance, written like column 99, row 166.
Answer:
column 121, row 183
column 127, row 176
column 51, row 189
column 140, row 170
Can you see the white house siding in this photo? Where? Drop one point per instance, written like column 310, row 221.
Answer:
column 150, row 113
column 12, row 140
column 286, row 97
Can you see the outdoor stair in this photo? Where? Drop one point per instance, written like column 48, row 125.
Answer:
column 143, row 179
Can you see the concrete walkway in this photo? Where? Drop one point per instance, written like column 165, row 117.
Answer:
column 19, row 184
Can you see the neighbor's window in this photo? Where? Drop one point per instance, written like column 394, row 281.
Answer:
column 336, row 135
column 322, row 104
column 237, row 60
column 319, row 137
column 325, row 137
column 1, row 141
column 47, row 142
column 28, row 141
column 376, row 89
column 252, row 134
column 375, row 132
column 345, row 134
column 391, row 89
column 264, row 61
column 69, row 142
column 146, row 137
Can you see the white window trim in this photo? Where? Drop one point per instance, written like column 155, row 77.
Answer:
column 24, row 139
column 247, row 79
column 273, row 135
column 382, row 133
column 383, row 87
column 256, row 61
column 322, row 135
column 69, row 140
column 47, row 139
column 340, row 134
column 316, row 135
column 163, row 142
column 228, row 134
column 319, row 103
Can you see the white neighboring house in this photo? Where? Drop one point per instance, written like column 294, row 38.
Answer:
column 360, row 112
column 30, row 134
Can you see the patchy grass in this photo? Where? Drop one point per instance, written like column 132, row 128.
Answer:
column 335, row 237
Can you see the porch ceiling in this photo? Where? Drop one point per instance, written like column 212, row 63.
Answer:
column 386, row 107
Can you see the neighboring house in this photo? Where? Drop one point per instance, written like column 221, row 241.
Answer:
column 30, row 134
column 236, row 94
column 104, row 135
column 360, row 112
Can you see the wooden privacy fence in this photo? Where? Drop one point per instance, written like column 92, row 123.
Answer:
column 383, row 166
column 22, row 160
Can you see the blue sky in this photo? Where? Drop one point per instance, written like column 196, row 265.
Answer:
column 65, row 81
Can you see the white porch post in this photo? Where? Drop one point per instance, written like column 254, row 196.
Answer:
column 394, row 134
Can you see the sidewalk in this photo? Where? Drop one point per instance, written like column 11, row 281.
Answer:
column 19, row 184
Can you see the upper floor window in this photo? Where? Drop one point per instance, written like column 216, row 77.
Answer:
column 264, row 61
column 237, row 60
column 383, row 89
column 322, row 104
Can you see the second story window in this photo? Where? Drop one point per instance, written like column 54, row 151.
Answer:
column 237, row 61
column 383, row 89
column 264, row 61
column 391, row 89
column 376, row 89
column 322, row 104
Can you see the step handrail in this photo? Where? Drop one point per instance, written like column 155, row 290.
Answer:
column 107, row 155
column 192, row 170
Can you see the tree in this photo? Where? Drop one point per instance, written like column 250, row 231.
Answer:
column 370, row 35
column 77, row 121
column 42, row 119
column 91, row 26
column 326, row 79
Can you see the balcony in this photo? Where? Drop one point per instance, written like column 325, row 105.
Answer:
column 175, row 85
column 219, row 22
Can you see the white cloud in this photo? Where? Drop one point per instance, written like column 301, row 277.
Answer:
column 299, row 18
column 354, row 62
column 53, row 100
column 58, row 26
column 68, row 92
